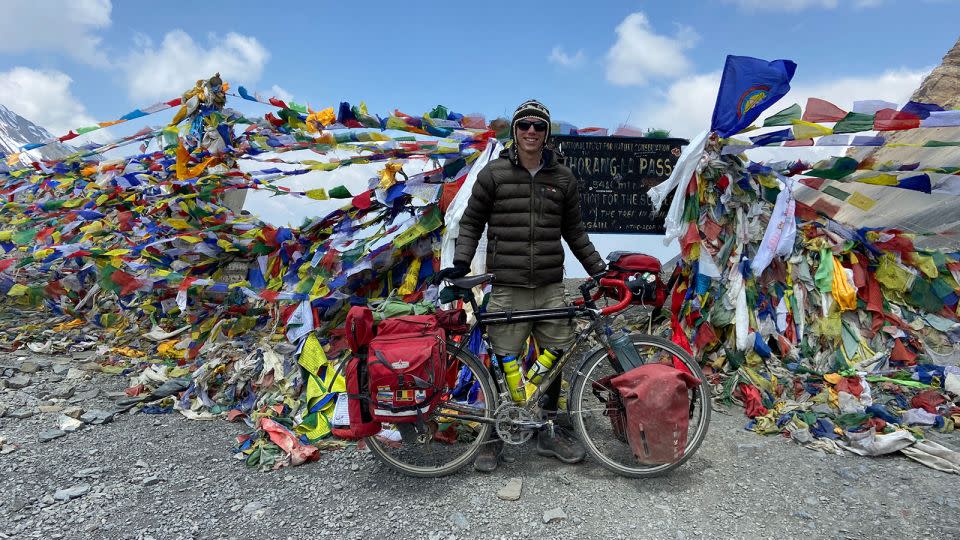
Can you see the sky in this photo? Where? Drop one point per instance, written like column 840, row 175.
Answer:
column 650, row 64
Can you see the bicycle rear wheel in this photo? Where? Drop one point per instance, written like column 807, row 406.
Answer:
column 587, row 408
column 451, row 440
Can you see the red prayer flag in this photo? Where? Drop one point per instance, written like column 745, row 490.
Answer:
column 891, row 120
column 815, row 183
column 362, row 201
column 269, row 296
column 799, row 142
column 819, row 110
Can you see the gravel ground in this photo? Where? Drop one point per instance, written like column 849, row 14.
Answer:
column 163, row 476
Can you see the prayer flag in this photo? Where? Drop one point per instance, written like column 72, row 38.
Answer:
column 748, row 87
column 784, row 117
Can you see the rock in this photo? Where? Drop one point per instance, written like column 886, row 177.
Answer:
column 141, row 464
column 63, row 391
column 90, row 471
column 151, row 480
column 511, row 491
column 18, row 381
column 69, row 424
column 73, row 412
column 85, row 395
column 811, row 501
column 459, row 520
column 748, row 450
column 50, row 408
column 71, row 492
column 20, row 414
column 90, row 366
column 554, row 515
column 97, row 417
column 846, row 473
column 51, row 434
column 29, row 367
column 3, row 410
column 60, row 369
column 256, row 507
column 74, row 373
column 354, row 467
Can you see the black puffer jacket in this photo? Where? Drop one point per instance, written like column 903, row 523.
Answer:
column 526, row 218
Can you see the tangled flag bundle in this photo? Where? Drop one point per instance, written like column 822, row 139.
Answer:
column 821, row 330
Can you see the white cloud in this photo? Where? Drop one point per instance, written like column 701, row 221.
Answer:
column 280, row 93
column 686, row 106
column 640, row 54
column 175, row 66
column 799, row 5
column 43, row 97
column 66, row 26
column 561, row 58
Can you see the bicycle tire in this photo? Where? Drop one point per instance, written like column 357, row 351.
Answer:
column 580, row 410
column 392, row 455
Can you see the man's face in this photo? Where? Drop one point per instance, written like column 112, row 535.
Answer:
column 530, row 134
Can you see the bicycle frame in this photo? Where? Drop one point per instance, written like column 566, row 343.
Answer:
column 587, row 309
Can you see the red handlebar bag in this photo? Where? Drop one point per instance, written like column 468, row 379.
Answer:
column 656, row 406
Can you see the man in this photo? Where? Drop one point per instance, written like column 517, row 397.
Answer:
column 528, row 201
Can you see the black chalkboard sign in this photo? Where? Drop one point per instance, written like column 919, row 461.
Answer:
column 614, row 175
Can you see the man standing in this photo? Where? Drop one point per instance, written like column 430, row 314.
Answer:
column 528, row 201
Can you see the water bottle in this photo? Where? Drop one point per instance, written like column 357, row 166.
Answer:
column 511, row 372
column 625, row 350
column 541, row 367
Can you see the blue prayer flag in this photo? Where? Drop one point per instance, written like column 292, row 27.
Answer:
column 748, row 87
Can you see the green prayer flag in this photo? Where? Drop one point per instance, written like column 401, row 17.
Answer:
column 824, row 276
column 431, row 219
column 339, row 192
column 784, row 117
column 24, row 237
column 854, row 123
column 842, row 167
column 836, row 192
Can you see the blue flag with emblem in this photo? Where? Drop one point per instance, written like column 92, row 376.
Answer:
column 748, row 87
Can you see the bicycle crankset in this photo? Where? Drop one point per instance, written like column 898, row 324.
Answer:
column 514, row 424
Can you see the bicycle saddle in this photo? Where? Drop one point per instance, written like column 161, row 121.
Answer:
column 470, row 282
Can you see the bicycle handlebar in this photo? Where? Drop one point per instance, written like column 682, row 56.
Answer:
column 625, row 295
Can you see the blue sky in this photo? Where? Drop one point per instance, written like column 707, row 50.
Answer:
column 473, row 57
column 69, row 63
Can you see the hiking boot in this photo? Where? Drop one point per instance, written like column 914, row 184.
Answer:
column 561, row 445
column 489, row 456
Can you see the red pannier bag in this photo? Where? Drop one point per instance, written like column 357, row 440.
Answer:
column 657, row 408
column 613, row 406
column 641, row 272
column 406, row 366
column 359, row 333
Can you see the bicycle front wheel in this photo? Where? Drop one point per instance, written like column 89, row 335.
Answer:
column 453, row 436
column 607, row 443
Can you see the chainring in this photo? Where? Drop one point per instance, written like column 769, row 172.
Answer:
column 509, row 423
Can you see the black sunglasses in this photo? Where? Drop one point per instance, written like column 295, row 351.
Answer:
column 538, row 125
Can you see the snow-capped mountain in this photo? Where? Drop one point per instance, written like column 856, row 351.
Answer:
column 16, row 131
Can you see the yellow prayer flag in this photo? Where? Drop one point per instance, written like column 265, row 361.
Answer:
column 861, row 201
column 318, row 194
column 17, row 290
column 880, row 180
column 807, row 130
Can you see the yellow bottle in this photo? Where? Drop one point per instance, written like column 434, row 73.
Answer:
column 541, row 367
column 511, row 372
